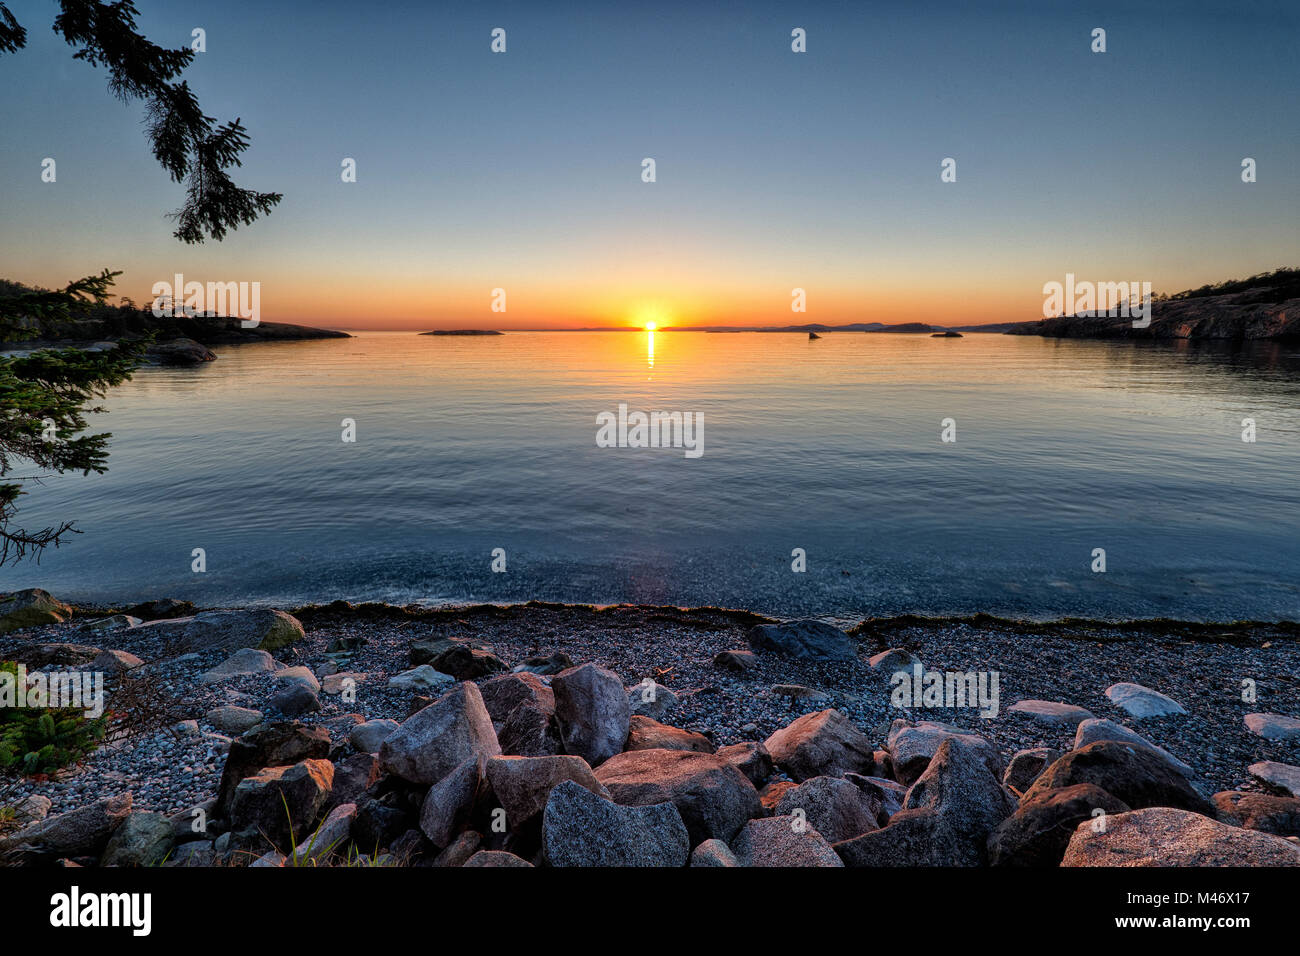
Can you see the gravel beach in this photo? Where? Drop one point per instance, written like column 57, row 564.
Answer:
column 1200, row 666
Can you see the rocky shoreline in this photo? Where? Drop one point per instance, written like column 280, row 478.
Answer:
column 180, row 340
column 1235, row 317
column 544, row 734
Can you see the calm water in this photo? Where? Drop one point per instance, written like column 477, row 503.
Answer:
column 469, row 444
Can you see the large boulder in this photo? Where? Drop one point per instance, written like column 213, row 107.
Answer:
column 262, row 628
column 115, row 662
column 908, row 841
column 192, row 854
column 269, row 745
column 1164, row 836
column 334, row 685
column 282, row 803
column 31, row 608
column 1139, row 702
column 329, row 839
column 522, row 785
column 647, row 734
column 497, row 858
column 825, row 743
column 1025, row 766
column 835, row 807
column 294, row 700
column 381, row 820
column 439, row 738
column 143, row 839
column 81, row 832
column 53, row 655
column 593, row 712
column 545, row 664
column 192, row 822
column 1050, row 712
column 467, row 663
column 161, row 609
column 298, row 674
column 888, row 795
column 248, row 660
column 1091, row 731
column 714, row 798
column 581, row 828
column 424, row 651
column 114, row 622
column 651, row 699
column 1277, row 776
column 1135, row 774
column 806, row 640
column 1037, row 833
column 947, row 815
column 1273, row 726
column 958, row 784
column 229, row 719
column 738, row 662
column 31, row 809
column 422, row 679
column 369, row 735
column 772, row 793
column 912, row 747
column 450, row 802
column 503, row 693
column 531, row 731
column 713, row 853
column 783, row 841
column 462, row 849
column 799, row 692
column 1259, row 811
column 896, row 659
column 353, row 776
column 751, row 758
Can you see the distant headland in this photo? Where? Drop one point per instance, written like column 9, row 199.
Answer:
column 1264, row 306
column 180, row 339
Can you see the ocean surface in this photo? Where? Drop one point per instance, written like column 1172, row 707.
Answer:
column 469, row 444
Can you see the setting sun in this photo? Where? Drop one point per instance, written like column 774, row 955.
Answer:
column 649, row 314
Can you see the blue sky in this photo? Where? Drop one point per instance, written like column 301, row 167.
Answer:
column 774, row 169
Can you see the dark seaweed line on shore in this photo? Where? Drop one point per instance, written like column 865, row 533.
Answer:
column 1240, row 633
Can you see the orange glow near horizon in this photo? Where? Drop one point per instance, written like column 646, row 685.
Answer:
column 333, row 304
column 611, row 297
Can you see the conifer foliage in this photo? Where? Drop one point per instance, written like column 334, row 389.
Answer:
column 188, row 144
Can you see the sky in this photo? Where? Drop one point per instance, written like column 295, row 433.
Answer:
column 775, row 170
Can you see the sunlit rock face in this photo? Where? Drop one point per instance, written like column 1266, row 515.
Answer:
column 1240, row 315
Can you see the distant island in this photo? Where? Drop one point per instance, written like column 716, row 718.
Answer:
column 912, row 328
column 994, row 328
column 909, row 327
column 463, row 332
